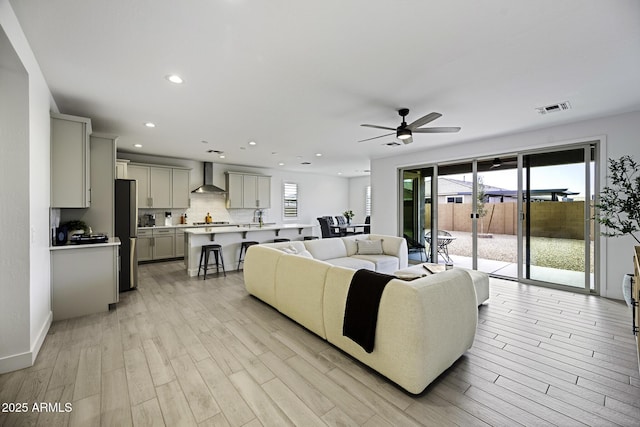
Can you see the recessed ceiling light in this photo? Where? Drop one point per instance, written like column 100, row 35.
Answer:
column 174, row 78
column 280, row 164
column 137, row 145
column 222, row 156
column 305, row 163
column 150, row 125
column 339, row 173
column 252, row 143
column 318, row 154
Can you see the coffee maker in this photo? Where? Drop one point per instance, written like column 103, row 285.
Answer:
column 149, row 220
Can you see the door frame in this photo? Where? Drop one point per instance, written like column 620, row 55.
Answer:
column 591, row 230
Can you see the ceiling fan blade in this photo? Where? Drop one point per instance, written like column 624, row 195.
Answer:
column 376, row 137
column 379, row 127
column 424, row 120
column 408, row 140
column 437, row 130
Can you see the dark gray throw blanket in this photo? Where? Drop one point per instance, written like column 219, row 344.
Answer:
column 361, row 311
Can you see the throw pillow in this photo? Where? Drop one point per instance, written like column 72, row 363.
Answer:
column 289, row 250
column 369, row 247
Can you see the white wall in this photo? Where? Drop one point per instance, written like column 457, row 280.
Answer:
column 357, row 197
column 25, row 308
column 620, row 133
column 318, row 194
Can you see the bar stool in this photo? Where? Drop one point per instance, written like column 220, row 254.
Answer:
column 283, row 239
column 310, row 237
column 243, row 250
column 217, row 253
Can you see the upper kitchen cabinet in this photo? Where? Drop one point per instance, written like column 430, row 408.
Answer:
column 70, row 161
column 180, row 188
column 121, row 169
column 248, row 191
column 160, row 187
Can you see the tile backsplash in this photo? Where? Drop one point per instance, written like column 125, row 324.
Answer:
column 201, row 204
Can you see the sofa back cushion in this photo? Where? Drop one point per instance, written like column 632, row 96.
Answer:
column 299, row 284
column 324, row 249
column 260, row 263
column 296, row 245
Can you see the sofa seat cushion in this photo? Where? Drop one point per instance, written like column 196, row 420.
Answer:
column 352, row 262
column 383, row 263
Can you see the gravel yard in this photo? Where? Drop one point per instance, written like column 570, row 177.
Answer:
column 565, row 254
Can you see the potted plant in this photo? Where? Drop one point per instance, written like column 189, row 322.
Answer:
column 619, row 207
column 76, row 227
column 348, row 214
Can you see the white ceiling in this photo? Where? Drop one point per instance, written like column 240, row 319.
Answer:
column 299, row 77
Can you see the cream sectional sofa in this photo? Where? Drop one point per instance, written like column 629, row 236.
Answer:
column 423, row 325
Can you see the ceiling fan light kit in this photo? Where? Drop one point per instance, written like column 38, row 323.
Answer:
column 405, row 131
column 403, row 134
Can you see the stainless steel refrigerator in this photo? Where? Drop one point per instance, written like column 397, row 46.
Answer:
column 126, row 226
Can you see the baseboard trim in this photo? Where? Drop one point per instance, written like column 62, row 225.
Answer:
column 42, row 334
column 26, row 359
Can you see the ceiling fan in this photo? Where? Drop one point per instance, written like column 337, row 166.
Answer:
column 497, row 162
column 404, row 131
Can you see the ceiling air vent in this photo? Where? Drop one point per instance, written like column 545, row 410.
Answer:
column 562, row 106
column 392, row 144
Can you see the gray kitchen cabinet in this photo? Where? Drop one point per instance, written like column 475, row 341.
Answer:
column 145, row 245
column 234, row 190
column 263, row 190
column 142, row 175
column 180, row 190
column 164, row 243
column 160, row 187
column 121, row 169
column 179, row 243
column 100, row 216
column 70, row 161
column 248, row 191
column 84, row 280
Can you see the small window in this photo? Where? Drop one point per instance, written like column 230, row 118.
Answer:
column 454, row 199
column 367, row 201
column 290, row 200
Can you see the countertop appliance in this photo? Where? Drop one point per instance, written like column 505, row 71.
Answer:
column 126, row 228
column 149, row 220
column 85, row 239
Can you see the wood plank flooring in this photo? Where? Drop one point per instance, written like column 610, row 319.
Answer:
column 186, row 352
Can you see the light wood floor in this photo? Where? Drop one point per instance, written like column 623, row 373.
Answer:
column 182, row 351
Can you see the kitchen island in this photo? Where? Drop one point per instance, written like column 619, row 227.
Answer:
column 231, row 237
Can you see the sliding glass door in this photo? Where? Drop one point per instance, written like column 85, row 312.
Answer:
column 524, row 216
column 557, row 211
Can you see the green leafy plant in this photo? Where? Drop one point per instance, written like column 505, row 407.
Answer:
column 348, row 214
column 77, row 225
column 619, row 206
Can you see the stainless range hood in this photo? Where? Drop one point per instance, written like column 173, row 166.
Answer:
column 208, row 187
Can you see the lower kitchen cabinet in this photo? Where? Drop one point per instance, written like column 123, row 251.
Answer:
column 160, row 243
column 164, row 243
column 179, row 243
column 84, row 279
column 145, row 245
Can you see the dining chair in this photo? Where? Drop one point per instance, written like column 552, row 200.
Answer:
column 415, row 246
column 327, row 229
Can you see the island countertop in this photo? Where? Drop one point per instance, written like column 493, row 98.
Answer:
column 246, row 228
column 231, row 237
